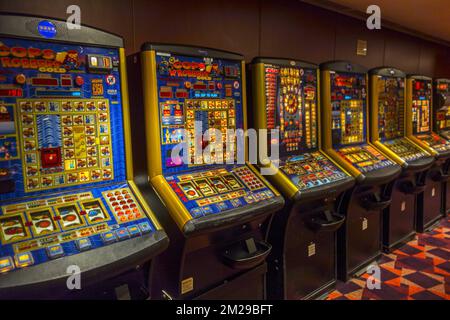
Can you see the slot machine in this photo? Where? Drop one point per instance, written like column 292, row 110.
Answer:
column 302, row 263
column 67, row 198
column 388, row 133
column 419, row 115
column 345, row 138
column 441, row 125
column 219, row 205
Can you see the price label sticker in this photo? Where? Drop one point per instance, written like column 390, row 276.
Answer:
column 311, row 249
column 365, row 224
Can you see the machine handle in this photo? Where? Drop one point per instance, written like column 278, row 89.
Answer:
column 410, row 188
column 440, row 177
column 375, row 202
column 325, row 221
column 246, row 254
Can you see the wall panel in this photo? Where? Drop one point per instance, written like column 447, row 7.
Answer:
column 281, row 28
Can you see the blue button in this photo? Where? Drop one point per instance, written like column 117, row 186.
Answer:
column 6, row 264
column 145, row 227
column 207, row 210
column 196, row 212
column 134, row 231
column 222, row 206
column 122, row 234
column 55, row 251
column 24, row 259
column 84, row 244
column 236, row 203
column 108, row 237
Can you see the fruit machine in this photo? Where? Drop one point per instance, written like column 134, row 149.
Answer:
column 441, row 124
column 388, row 133
column 419, row 113
column 285, row 97
column 68, row 203
column 219, row 205
column 345, row 138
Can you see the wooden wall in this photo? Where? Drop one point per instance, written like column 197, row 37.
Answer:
column 282, row 28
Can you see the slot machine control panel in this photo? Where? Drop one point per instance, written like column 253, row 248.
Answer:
column 310, row 170
column 405, row 149
column 213, row 191
column 62, row 146
column 365, row 158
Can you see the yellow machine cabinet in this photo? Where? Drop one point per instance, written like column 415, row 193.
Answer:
column 389, row 118
column 286, row 99
column 67, row 196
column 345, row 138
column 441, row 125
column 419, row 128
column 219, row 204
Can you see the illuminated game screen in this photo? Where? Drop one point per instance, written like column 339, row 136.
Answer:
column 62, row 153
column 291, row 107
column 421, row 106
column 55, row 134
column 196, row 95
column 348, row 103
column 421, row 116
column 442, row 101
column 391, row 106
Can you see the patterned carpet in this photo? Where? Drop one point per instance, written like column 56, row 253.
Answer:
column 419, row 270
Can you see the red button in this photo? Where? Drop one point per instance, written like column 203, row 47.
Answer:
column 79, row 81
column 20, row 78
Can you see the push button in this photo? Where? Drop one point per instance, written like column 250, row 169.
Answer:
column 134, row 231
column 24, row 259
column 21, row 78
column 145, row 227
column 122, row 234
column 6, row 264
column 84, row 244
column 55, row 251
column 108, row 237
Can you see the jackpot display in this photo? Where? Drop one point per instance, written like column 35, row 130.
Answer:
column 195, row 111
column 64, row 156
column 286, row 99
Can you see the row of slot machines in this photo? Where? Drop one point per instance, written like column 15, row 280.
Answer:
column 362, row 166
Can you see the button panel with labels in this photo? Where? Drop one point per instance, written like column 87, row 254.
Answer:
column 221, row 189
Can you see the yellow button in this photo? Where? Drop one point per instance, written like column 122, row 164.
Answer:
column 24, row 259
